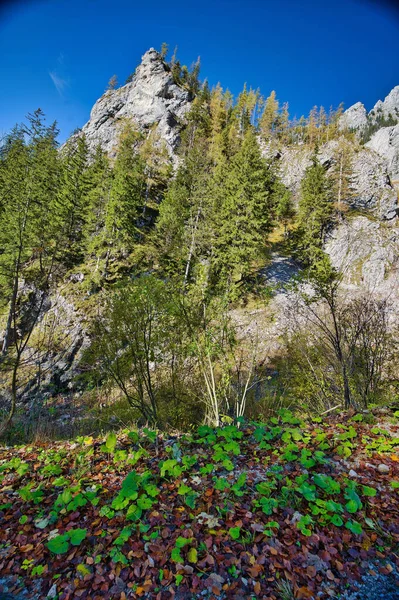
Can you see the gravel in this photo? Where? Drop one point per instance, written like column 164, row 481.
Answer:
column 375, row 587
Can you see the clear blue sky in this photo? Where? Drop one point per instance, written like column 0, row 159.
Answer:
column 59, row 54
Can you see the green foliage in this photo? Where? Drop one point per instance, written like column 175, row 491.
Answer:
column 315, row 208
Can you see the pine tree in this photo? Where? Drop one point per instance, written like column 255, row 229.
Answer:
column 284, row 209
column 269, row 117
column 31, row 233
column 185, row 215
column 127, row 197
column 98, row 199
column 75, row 187
column 244, row 215
column 342, row 174
column 112, row 83
column 315, row 207
column 157, row 172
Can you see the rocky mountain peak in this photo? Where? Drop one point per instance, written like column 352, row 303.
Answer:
column 355, row 117
column 151, row 99
column 388, row 107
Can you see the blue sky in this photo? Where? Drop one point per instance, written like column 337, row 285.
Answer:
column 59, row 54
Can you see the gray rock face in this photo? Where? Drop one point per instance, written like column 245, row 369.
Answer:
column 367, row 253
column 388, row 107
column 355, row 117
column 371, row 185
column 385, row 142
column 152, row 98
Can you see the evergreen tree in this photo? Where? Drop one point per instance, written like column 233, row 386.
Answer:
column 127, row 197
column 75, row 187
column 98, row 199
column 269, row 117
column 284, row 209
column 342, row 174
column 244, row 216
column 32, row 240
column 315, row 208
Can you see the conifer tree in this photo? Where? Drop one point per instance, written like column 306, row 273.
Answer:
column 74, row 191
column 342, row 174
column 269, row 117
column 98, row 199
column 31, row 233
column 127, row 197
column 315, row 208
column 244, row 215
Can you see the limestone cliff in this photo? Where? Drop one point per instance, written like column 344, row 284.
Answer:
column 151, row 99
column 379, row 127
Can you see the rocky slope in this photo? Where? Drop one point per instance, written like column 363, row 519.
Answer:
column 151, row 99
column 371, row 188
column 382, row 122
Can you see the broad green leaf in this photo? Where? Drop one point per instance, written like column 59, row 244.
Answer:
column 58, row 544
column 235, row 532
column 77, row 536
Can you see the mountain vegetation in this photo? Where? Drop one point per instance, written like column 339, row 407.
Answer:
column 167, row 247
column 199, row 460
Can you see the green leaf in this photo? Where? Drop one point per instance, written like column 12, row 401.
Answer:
column 354, row 527
column 83, row 570
column 369, row 491
column 337, row 520
column 179, row 579
column 351, row 506
column 23, row 519
column 228, row 465
column 144, row 502
column 58, row 544
column 130, row 485
column 190, row 500
column 184, row 489
column 176, row 556
column 235, row 532
column 134, row 512
column 77, row 536
column 181, row 542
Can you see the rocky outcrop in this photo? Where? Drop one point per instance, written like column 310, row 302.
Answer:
column 354, row 118
column 151, row 99
column 386, row 143
column 388, row 108
column 371, row 187
column 380, row 127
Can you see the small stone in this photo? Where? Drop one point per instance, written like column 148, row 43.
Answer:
column 383, row 469
column 296, row 517
column 52, row 593
column 353, row 474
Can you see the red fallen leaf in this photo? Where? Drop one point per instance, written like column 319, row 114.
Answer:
column 255, row 570
column 257, row 588
column 311, row 571
column 303, row 592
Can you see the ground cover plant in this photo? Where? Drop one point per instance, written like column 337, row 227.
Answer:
column 286, row 509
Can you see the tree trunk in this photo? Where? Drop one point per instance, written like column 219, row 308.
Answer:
column 7, row 336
